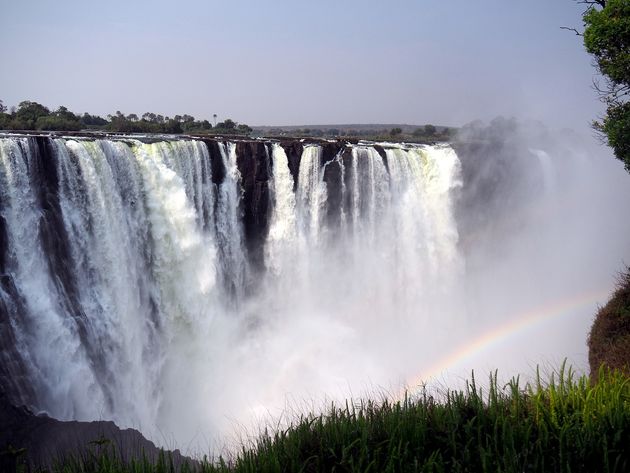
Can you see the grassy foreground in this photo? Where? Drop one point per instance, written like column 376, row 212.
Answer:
column 564, row 425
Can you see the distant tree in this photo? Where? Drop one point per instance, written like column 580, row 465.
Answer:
column 28, row 112
column 245, row 129
column 395, row 131
column 429, row 130
column 3, row 108
column 227, row 124
column 172, row 126
column 132, row 117
column 215, row 119
column 92, row 121
column 149, row 117
column 54, row 122
column 418, row 132
column 63, row 112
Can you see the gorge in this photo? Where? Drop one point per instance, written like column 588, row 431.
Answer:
column 185, row 286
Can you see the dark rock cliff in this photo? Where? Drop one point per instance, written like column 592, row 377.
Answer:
column 39, row 440
column 293, row 150
column 254, row 164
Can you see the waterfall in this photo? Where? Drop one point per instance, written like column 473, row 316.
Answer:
column 229, row 235
column 280, row 250
column 47, row 329
column 129, row 291
column 311, row 194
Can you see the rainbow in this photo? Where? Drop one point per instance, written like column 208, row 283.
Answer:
column 516, row 324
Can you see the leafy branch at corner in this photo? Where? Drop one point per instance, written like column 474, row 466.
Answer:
column 607, row 38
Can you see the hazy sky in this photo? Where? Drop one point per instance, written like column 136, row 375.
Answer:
column 280, row 62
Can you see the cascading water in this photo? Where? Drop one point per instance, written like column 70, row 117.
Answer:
column 280, row 250
column 109, row 336
column 229, row 235
column 128, row 290
column 311, row 194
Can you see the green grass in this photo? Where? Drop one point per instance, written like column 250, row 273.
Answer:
column 565, row 424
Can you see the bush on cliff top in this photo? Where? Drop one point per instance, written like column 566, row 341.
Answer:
column 609, row 340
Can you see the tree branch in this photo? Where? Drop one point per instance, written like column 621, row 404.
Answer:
column 601, row 3
column 571, row 29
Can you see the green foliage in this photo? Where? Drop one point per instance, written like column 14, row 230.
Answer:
column 52, row 122
column 395, row 131
column 29, row 112
column 430, row 130
column 609, row 339
column 34, row 116
column 607, row 38
column 616, row 127
column 227, row 124
column 566, row 424
column 122, row 124
column 231, row 127
column 92, row 121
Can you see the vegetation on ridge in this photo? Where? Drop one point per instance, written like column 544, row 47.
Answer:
column 567, row 424
column 609, row 340
column 30, row 115
column 607, row 37
column 35, row 116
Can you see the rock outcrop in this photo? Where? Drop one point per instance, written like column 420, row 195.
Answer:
column 609, row 339
column 39, row 440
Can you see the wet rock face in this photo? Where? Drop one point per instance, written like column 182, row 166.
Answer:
column 216, row 163
column 331, row 150
column 254, row 164
column 39, row 440
column 293, row 150
column 52, row 230
column 334, row 178
column 14, row 377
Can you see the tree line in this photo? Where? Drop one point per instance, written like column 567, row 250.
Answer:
column 30, row 115
column 426, row 133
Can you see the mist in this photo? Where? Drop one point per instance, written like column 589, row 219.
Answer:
column 383, row 268
column 497, row 261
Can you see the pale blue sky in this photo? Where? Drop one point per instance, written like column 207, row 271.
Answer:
column 295, row 62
